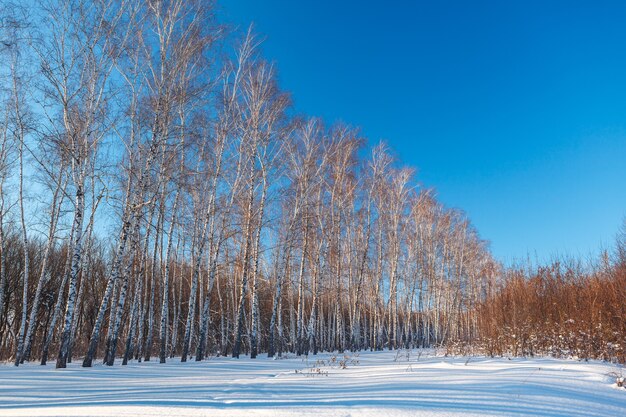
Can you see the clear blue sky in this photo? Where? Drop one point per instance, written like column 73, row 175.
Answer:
column 514, row 111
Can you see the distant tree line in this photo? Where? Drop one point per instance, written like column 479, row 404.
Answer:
column 159, row 198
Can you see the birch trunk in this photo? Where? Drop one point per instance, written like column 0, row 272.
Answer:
column 73, row 278
column 166, row 285
column 246, row 254
column 254, row 332
column 21, row 137
column 44, row 274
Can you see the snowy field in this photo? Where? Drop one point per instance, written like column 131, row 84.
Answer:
column 365, row 384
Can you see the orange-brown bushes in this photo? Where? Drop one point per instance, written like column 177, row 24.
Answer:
column 558, row 310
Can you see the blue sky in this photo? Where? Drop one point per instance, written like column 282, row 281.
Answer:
column 514, row 111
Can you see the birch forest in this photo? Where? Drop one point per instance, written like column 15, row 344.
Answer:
column 161, row 200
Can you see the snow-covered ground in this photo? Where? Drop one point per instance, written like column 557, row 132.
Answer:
column 366, row 384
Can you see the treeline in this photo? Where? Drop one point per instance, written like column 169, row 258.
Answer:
column 158, row 198
column 562, row 309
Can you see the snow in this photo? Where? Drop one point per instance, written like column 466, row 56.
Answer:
column 362, row 384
